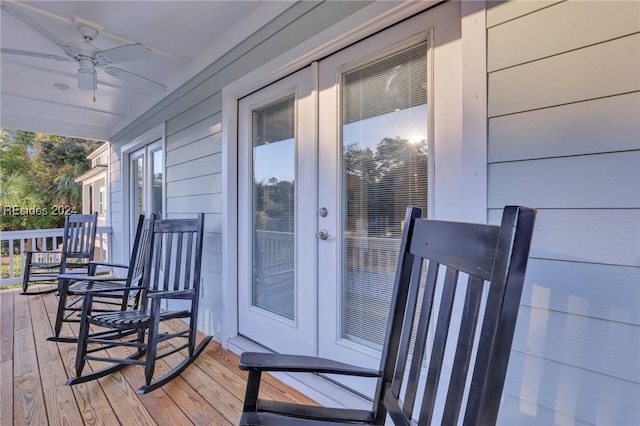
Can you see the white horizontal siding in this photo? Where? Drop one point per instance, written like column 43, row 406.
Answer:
column 546, row 33
column 606, row 347
column 199, row 130
column 208, row 145
column 608, row 236
column 195, row 168
column 507, row 10
column 205, row 184
column 588, row 181
column 589, row 289
column 564, row 137
column 602, row 125
column 593, row 72
column 568, row 392
column 196, row 113
column 209, row 203
column 515, row 411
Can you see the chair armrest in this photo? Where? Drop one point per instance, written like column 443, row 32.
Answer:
column 100, row 291
column 41, row 252
column 255, row 361
column 181, row 294
column 113, row 265
column 85, row 277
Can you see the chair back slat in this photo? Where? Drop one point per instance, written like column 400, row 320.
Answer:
column 139, row 252
column 470, row 312
column 439, row 345
column 464, row 350
column 78, row 241
column 421, row 334
column 189, row 253
column 399, row 297
column 407, row 330
column 176, row 256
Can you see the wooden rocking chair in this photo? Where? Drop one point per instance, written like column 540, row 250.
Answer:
column 78, row 248
column 115, row 291
column 480, row 266
column 173, row 259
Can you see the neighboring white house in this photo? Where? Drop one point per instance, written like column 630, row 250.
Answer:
column 95, row 184
column 95, row 195
column 303, row 141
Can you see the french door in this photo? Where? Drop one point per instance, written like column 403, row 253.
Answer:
column 324, row 185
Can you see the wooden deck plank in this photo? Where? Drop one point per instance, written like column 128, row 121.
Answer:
column 210, row 391
column 90, row 398
column 199, row 410
column 228, row 405
column 232, row 376
column 124, row 401
column 6, row 325
column 185, row 398
column 158, row 403
column 6, row 357
column 28, row 399
column 59, row 399
column 6, row 392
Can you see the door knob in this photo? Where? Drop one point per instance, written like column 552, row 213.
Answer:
column 322, row 234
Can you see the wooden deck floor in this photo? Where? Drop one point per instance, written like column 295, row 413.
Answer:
column 33, row 372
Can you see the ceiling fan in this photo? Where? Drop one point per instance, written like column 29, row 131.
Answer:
column 88, row 56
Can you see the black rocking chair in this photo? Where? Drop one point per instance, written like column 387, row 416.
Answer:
column 78, row 248
column 173, row 259
column 479, row 269
column 115, row 291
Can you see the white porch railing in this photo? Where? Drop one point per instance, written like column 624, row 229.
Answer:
column 14, row 244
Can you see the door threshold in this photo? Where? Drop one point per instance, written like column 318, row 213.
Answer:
column 323, row 391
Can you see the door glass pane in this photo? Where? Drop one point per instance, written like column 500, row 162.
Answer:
column 156, row 191
column 138, row 187
column 384, row 166
column 273, row 141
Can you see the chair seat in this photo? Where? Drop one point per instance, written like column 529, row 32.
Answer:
column 45, row 265
column 129, row 319
column 82, row 286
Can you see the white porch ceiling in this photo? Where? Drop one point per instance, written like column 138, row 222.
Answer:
column 185, row 37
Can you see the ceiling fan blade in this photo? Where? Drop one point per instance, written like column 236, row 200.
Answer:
column 7, row 51
column 28, row 21
column 139, row 82
column 122, row 54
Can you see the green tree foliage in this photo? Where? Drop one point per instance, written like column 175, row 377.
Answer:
column 44, row 168
column 14, row 150
column 16, row 192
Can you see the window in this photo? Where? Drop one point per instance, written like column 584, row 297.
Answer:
column 146, row 181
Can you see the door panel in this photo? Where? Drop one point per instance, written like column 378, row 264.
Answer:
column 277, row 285
column 376, row 145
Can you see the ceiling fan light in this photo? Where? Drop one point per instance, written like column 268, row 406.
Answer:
column 87, row 79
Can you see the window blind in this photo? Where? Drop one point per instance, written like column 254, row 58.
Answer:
column 384, row 161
